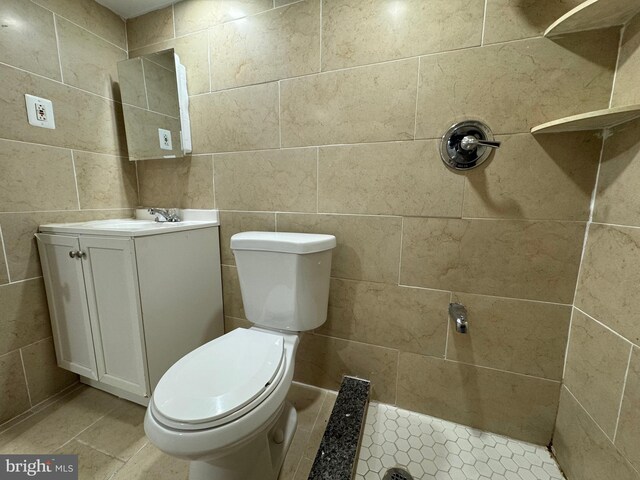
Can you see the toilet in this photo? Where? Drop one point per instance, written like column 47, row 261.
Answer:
column 223, row 406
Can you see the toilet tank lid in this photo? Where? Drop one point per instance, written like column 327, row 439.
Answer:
column 283, row 242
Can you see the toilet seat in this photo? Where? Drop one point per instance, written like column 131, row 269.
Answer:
column 220, row 381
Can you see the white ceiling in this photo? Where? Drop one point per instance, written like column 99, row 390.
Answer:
column 133, row 8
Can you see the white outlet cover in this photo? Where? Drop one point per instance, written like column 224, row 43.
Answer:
column 40, row 112
column 164, row 136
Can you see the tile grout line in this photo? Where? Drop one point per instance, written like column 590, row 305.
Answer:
column 93, row 423
column 400, row 255
column 320, row 35
column 215, row 190
column 26, row 380
column 59, row 82
column 209, row 59
column 59, row 50
column 485, row 367
column 53, row 399
column 146, row 93
column 611, row 330
column 89, row 31
column 395, row 402
column 75, row 179
column 97, row 449
column 15, row 282
column 566, row 348
column 280, row 115
column 4, row 252
column 317, row 179
column 484, row 22
column 415, row 119
column 66, row 148
column 624, row 389
column 446, row 341
column 117, row 470
column 615, row 72
column 173, row 19
column 589, row 415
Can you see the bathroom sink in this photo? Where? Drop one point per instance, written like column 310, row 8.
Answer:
column 135, row 227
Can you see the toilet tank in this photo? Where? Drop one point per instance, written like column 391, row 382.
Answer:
column 284, row 278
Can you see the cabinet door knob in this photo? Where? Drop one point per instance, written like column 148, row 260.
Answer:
column 73, row 254
column 81, row 254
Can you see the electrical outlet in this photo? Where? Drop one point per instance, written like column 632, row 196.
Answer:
column 165, row 139
column 40, row 112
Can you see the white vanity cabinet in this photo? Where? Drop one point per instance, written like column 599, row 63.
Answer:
column 126, row 304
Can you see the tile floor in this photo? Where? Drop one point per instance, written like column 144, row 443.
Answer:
column 430, row 448
column 107, row 433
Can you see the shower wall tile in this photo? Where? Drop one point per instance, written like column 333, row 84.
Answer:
column 36, row 177
column 323, row 361
column 582, row 449
column 608, row 279
column 270, row 180
column 236, row 222
column 245, row 119
column 548, row 177
column 83, row 121
column 508, row 20
column 625, row 90
column 44, row 377
column 193, row 51
column 25, row 315
column 91, row 16
column 529, row 82
column 368, row 247
column 105, row 181
column 31, row 27
column 514, row 335
column 370, row 31
column 515, row 405
column 177, row 183
column 149, row 28
column 194, row 15
column 15, row 398
column 400, row 178
column 366, row 104
column 250, row 50
column 596, row 367
column 618, row 198
column 403, row 318
column 628, row 434
column 88, row 61
column 522, row 259
column 18, row 231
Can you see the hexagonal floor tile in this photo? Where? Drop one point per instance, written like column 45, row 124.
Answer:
column 434, row 449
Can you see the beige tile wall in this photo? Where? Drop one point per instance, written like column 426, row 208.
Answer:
column 66, row 51
column 597, row 432
column 324, row 115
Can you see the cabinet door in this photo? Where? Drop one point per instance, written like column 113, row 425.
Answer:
column 111, row 281
column 67, row 300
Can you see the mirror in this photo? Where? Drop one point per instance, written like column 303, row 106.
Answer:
column 155, row 104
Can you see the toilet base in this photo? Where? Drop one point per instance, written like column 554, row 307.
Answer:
column 260, row 458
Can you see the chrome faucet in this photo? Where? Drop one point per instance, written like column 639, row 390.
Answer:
column 165, row 215
column 458, row 312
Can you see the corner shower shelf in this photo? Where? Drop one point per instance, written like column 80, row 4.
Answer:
column 597, row 120
column 594, row 14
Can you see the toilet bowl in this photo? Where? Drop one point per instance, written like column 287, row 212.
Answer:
column 223, row 406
